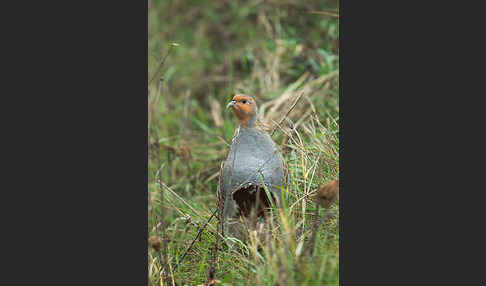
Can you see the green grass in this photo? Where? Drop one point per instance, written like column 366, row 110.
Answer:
column 273, row 52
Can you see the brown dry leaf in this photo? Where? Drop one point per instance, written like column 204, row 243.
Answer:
column 155, row 242
column 185, row 152
column 328, row 193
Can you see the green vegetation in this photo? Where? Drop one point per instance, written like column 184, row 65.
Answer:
column 275, row 51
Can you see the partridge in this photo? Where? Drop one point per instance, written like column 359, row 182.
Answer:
column 253, row 161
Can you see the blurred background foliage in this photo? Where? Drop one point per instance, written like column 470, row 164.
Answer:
column 254, row 47
column 272, row 50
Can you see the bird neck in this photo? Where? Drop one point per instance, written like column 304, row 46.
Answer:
column 248, row 124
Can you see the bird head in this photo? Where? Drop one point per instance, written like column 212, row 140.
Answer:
column 245, row 109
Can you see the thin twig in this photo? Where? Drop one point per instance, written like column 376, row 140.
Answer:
column 220, row 209
column 190, row 207
column 162, row 63
column 181, row 199
column 288, row 112
column 164, row 233
column 214, row 253
column 194, row 240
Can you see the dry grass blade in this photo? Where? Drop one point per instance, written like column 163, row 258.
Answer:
column 162, row 63
column 194, row 240
column 216, row 112
column 181, row 199
column 291, row 108
column 325, row 13
column 275, row 104
column 189, row 206
column 212, row 177
column 162, row 252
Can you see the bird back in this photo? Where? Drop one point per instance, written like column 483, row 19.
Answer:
column 253, row 158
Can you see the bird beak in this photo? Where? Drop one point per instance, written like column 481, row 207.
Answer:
column 231, row 104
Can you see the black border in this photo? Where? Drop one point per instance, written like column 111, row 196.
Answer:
column 77, row 73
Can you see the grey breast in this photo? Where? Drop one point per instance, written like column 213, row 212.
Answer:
column 253, row 156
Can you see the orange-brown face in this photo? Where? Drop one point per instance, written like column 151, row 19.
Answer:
column 243, row 107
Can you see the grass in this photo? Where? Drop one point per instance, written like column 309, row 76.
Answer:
column 274, row 51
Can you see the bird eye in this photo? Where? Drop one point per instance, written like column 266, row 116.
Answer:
column 243, row 101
